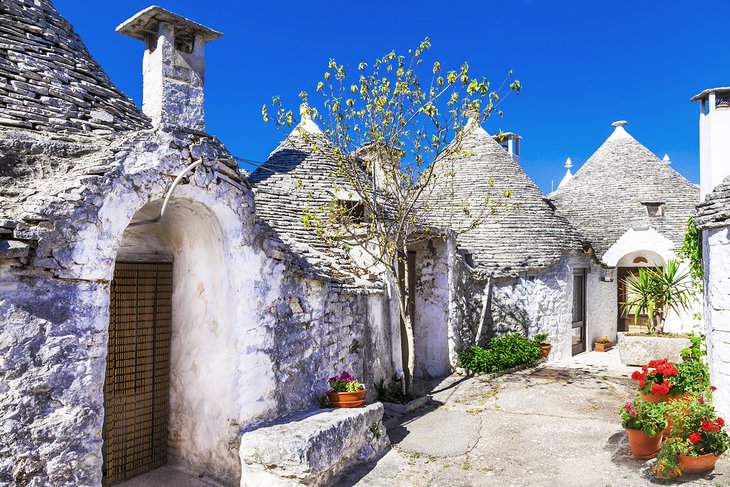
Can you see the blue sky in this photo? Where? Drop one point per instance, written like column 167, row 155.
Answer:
column 582, row 64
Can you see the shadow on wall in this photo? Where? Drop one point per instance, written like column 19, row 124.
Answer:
column 505, row 314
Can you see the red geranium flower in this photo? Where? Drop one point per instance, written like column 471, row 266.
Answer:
column 713, row 388
column 708, row 425
column 720, row 421
column 700, row 400
column 662, row 388
column 695, row 438
column 700, row 379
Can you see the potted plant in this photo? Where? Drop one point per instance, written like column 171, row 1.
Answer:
column 545, row 347
column 345, row 391
column 701, row 434
column 653, row 380
column 654, row 293
column 644, row 422
column 602, row 344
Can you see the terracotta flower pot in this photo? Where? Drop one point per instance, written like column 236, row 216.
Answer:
column 655, row 398
column 602, row 347
column 642, row 445
column 698, row 464
column 347, row 399
column 545, row 349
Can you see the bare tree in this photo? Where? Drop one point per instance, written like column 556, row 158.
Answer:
column 390, row 132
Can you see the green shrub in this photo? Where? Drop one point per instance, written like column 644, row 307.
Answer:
column 500, row 353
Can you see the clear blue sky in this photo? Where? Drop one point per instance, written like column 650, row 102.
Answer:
column 582, row 64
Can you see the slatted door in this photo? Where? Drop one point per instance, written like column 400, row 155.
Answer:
column 136, row 388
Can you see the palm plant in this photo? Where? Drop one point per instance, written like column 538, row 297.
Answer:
column 655, row 292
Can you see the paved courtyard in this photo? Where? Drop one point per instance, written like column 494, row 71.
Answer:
column 555, row 425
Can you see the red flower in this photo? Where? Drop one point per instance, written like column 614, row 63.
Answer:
column 700, row 400
column 708, row 425
column 695, row 438
column 713, row 388
column 700, row 379
column 662, row 388
column 720, row 421
column 656, row 363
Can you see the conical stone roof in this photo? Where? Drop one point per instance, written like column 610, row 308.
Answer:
column 301, row 174
column 525, row 235
column 49, row 81
column 608, row 195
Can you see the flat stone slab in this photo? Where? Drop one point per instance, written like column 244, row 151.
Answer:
column 312, row 448
column 639, row 350
column 440, row 433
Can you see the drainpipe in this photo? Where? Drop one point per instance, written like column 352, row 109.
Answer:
column 177, row 180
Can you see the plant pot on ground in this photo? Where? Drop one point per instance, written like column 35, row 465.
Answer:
column 345, row 391
column 545, row 348
column 654, row 380
column 697, row 438
column 602, row 345
column 644, row 423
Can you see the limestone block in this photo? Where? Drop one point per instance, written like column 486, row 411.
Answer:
column 13, row 249
column 311, row 448
column 639, row 350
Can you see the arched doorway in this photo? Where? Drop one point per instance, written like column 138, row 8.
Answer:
column 170, row 375
column 627, row 266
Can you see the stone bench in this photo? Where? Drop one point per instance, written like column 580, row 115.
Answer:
column 311, row 448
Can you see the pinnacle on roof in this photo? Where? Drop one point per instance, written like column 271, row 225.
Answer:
column 568, row 175
column 619, row 132
column 306, row 123
column 666, row 159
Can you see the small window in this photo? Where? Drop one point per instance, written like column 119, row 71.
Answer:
column 355, row 210
column 640, row 260
column 531, row 277
column 469, row 259
column 654, row 210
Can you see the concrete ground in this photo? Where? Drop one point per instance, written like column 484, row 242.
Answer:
column 554, row 425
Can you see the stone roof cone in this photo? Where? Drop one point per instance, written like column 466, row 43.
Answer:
column 527, row 235
column 606, row 197
column 56, row 84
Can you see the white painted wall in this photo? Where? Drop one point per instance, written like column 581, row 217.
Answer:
column 601, row 299
column 716, row 256
column 432, row 310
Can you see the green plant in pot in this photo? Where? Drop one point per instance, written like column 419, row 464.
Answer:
column 644, row 423
column 345, row 391
column 541, row 340
column 655, row 380
column 698, row 437
column 654, row 292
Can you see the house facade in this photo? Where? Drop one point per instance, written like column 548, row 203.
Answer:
column 633, row 208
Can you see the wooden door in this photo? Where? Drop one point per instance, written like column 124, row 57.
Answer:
column 136, row 386
column 578, row 335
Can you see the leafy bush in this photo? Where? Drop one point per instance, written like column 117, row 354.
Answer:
column 645, row 416
column 391, row 392
column 693, row 373
column 500, row 353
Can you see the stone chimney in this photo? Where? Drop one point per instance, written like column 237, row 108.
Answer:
column 173, row 66
column 714, row 138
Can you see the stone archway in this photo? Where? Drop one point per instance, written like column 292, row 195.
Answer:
column 182, row 254
column 626, row 266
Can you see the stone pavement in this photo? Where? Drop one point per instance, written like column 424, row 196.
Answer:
column 554, row 425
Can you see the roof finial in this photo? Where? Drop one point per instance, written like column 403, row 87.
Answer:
column 568, row 163
column 666, row 159
column 620, row 123
column 306, row 122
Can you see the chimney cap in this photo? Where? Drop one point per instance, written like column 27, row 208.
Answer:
column 146, row 22
column 723, row 90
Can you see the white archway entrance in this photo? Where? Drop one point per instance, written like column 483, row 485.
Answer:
column 626, row 266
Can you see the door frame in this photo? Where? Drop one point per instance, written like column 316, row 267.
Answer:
column 580, row 347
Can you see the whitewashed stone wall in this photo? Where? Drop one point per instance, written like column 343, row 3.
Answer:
column 431, row 310
column 255, row 337
column 532, row 303
column 601, row 304
column 716, row 257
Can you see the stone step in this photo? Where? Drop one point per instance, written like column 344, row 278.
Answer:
column 312, row 448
